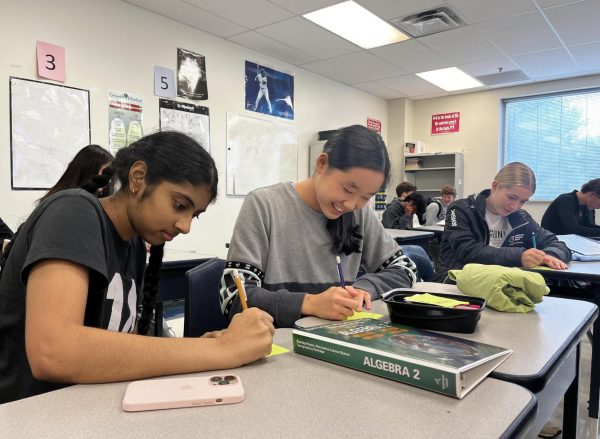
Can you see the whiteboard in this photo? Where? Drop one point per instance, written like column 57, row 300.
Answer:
column 259, row 153
column 49, row 124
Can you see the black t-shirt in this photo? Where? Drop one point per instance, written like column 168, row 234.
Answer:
column 70, row 225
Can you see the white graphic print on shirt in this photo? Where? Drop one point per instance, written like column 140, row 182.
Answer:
column 499, row 228
column 115, row 293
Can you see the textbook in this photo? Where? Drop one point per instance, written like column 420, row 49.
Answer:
column 449, row 365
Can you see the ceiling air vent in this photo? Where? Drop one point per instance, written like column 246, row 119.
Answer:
column 429, row 22
column 503, row 77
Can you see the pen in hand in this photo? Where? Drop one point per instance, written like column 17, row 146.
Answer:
column 240, row 287
column 533, row 241
column 340, row 272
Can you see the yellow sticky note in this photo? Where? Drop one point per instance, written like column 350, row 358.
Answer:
column 276, row 350
column 430, row 299
column 364, row 315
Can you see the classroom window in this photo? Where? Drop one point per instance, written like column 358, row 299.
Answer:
column 558, row 136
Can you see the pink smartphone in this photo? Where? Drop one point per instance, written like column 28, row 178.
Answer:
column 182, row 392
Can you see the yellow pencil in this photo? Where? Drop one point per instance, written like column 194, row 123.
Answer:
column 240, row 287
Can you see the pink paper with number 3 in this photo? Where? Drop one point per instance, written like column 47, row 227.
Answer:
column 51, row 61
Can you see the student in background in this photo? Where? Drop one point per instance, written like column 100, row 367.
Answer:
column 436, row 210
column 573, row 212
column 492, row 228
column 395, row 210
column 287, row 236
column 89, row 162
column 72, row 282
column 414, row 208
column 5, row 232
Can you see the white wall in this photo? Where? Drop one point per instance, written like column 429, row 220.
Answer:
column 480, row 126
column 114, row 45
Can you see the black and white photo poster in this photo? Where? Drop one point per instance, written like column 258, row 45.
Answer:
column 269, row 91
column 191, row 75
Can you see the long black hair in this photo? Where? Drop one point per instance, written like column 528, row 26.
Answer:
column 85, row 165
column 354, row 146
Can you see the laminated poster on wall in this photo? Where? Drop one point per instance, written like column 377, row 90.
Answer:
column 49, row 123
column 186, row 118
column 191, row 75
column 125, row 119
column 269, row 91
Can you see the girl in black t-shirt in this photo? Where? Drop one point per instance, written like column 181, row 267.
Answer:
column 69, row 292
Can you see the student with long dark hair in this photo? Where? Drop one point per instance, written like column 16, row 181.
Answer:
column 287, row 237
column 89, row 162
column 72, row 282
column 493, row 228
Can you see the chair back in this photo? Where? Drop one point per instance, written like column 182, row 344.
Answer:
column 171, row 287
column 421, row 260
column 202, row 306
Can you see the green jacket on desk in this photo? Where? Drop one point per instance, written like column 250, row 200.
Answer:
column 466, row 237
column 504, row 288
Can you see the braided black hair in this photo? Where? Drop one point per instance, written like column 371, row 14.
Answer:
column 354, row 146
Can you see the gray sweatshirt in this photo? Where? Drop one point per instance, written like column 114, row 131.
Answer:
column 283, row 250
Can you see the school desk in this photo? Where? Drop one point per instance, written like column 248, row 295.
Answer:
column 288, row 396
column 436, row 229
column 589, row 272
column 545, row 344
column 411, row 237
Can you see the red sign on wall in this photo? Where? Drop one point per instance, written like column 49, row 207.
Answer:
column 374, row 124
column 445, row 123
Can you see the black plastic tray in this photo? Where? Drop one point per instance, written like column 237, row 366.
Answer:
column 433, row 317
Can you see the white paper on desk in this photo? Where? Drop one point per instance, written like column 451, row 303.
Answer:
column 416, row 224
column 441, row 222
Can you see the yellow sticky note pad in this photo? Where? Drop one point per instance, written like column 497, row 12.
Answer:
column 364, row 315
column 430, row 299
column 276, row 350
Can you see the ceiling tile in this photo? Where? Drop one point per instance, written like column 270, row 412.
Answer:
column 474, row 11
column 546, row 64
column 334, row 72
column 395, row 9
column 260, row 43
column 367, row 65
column 304, row 6
column 410, row 85
column 248, row 13
column 489, row 66
column 461, row 45
column 520, row 34
column 308, row 37
column 576, row 23
column 192, row 16
column 411, row 56
column 586, row 56
column 377, row 89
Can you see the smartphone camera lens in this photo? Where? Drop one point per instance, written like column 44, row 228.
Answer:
column 223, row 382
column 230, row 378
column 216, row 379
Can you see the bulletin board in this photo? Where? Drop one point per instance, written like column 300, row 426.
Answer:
column 259, row 153
column 49, row 124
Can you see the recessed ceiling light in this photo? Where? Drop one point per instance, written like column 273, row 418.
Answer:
column 450, row 79
column 351, row 21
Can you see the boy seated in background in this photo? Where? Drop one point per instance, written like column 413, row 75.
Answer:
column 573, row 212
column 394, row 211
column 436, row 209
